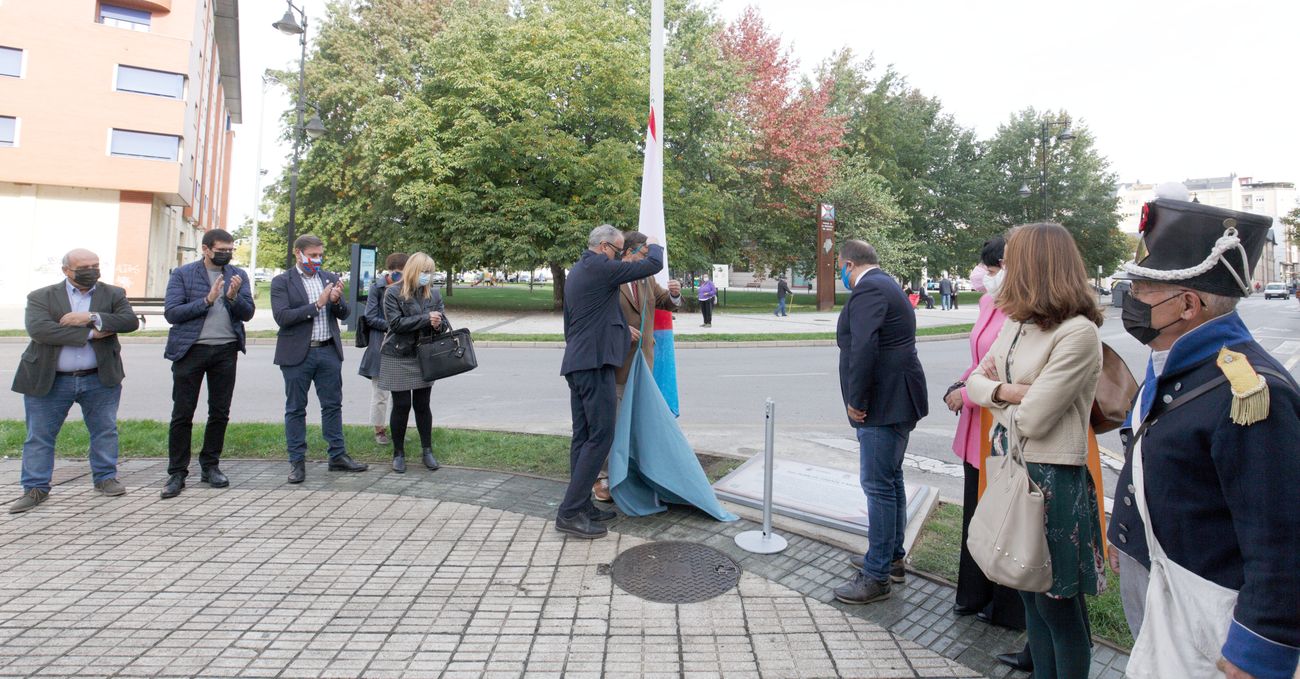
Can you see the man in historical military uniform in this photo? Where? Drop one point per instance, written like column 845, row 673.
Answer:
column 1203, row 503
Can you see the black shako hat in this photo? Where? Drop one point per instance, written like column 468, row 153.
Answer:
column 1198, row 246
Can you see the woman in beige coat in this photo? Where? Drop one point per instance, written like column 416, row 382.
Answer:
column 1038, row 379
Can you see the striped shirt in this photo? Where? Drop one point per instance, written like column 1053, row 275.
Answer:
column 320, row 328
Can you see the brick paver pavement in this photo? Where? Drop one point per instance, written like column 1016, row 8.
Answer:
column 453, row 574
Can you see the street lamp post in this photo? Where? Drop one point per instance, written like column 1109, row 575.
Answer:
column 289, row 25
column 1044, row 128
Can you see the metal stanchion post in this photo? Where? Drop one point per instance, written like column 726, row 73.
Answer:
column 765, row 541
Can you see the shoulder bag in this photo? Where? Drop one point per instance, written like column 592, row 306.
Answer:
column 1008, row 531
column 363, row 332
column 1008, row 534
column 450, row 353
column 1115, row 391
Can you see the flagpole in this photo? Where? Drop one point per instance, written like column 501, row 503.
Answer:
column 651, row 220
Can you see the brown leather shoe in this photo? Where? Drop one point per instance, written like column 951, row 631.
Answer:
column 601, row 490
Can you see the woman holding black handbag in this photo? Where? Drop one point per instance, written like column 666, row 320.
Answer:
column 414, row 312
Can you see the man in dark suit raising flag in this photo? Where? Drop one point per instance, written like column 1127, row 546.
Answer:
column 884, row 394
column 596, row 339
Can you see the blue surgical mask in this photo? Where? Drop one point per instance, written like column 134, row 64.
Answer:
column 424, row 279
column 395, row 276
column 844, row 276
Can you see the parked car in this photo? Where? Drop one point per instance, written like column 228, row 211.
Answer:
column 1277, row 290
column 439, row 278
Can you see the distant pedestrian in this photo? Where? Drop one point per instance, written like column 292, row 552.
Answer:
column 307, row 303
column 945, row 293
column 208, row 302
column 414, row 311
column 708, row 294
column 596, row 342
column 883, row 390
column 377, row 325
column 782, row 293
column 73, row 357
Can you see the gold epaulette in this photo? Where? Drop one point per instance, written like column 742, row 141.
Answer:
column 1249, row 389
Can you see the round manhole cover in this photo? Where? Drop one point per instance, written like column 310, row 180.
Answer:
column 674, row 572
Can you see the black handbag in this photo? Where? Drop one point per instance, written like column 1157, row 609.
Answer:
column 363, row 333
column 450, row 353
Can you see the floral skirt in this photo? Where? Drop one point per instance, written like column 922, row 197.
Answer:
column 1074, row 537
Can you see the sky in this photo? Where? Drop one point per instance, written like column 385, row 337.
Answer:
column 1171, row 90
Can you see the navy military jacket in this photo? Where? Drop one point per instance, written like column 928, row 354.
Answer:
column 1221, row 495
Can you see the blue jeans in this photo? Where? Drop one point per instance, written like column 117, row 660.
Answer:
column 881, row 458
column 780, row 306
column 323, row 367
column 45, row 417
column 947, row 302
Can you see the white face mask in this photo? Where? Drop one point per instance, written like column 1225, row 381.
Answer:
column 994, row 283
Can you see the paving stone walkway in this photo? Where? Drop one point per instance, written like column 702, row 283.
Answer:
column 457, row 573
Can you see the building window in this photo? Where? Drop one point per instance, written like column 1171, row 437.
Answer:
column 147, row 81
column 8, row 131
column 11, row 62
column 122, row 17
column 128, row 144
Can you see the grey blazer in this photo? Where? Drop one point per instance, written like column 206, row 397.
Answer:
column 45, row 306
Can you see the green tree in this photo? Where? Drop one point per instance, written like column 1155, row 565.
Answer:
column 865, row 210
column 927, row 160
column 1080, row 186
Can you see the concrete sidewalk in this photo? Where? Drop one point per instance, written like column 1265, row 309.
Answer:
column 457, row 573
column 536, row 323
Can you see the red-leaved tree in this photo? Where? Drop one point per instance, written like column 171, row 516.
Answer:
column 784, row 149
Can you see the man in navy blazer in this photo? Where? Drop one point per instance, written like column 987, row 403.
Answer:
column 596, row 340
column 884, row 394
column 207, row 303
column 307, row 303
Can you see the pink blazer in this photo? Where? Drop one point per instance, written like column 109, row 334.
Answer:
column 967, row 441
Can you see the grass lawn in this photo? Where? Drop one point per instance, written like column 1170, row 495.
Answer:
column 525, row 453
column 937, row 551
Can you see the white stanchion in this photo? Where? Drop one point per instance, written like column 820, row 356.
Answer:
column 765, row 541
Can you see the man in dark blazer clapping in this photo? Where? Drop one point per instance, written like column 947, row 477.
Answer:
column 884, row 394
column 307, row 303
column 208, row 302
column 74, row 357
column 596, row 340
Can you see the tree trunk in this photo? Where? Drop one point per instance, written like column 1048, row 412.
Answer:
column 557, row 285
column 451, row 276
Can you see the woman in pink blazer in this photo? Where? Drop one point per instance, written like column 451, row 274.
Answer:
column 976, row 595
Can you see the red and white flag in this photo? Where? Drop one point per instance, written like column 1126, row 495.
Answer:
column 651, row 221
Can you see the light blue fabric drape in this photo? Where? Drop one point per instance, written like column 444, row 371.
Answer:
column 651, row 463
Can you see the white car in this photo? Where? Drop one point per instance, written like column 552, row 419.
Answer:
column 1277, row 290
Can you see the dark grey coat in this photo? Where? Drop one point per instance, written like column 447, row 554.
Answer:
column 374, row 315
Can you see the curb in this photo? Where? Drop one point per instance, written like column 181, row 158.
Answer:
column 512, row 344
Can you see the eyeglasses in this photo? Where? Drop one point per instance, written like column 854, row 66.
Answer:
column 227, row 250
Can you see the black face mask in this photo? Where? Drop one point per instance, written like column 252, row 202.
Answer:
column 1136, row 316
column 85, row 278
column 221, row 258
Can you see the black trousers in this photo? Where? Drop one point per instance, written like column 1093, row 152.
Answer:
column 216, row 362
column 975, row 591
column 593, row 401
column 706, row 308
